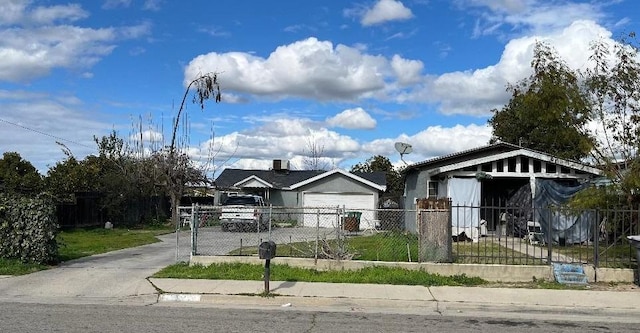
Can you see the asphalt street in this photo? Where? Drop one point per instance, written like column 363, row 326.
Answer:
column 70, row 318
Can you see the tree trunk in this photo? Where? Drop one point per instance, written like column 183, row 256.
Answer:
column 175, row 203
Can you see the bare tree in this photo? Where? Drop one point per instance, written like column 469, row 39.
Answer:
column 315, row 159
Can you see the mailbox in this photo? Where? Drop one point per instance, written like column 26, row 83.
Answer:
column 267, row 250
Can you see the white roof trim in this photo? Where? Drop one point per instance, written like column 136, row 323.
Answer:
column 514, row 153
column 253, row 177
column 342, row 172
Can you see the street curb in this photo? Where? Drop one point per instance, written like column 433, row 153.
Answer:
column 413, row 307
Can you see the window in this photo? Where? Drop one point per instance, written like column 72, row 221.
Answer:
column 524, row 164
column 432, row 189
column 551, row 168
column 537, row 166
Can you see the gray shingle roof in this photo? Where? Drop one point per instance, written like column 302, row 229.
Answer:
column 285, row 178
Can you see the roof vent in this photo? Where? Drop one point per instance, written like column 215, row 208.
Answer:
column 280, row 164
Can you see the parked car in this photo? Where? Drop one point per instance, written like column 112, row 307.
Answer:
column 244, row 213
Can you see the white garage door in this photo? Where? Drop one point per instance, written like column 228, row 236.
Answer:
column 363, row 202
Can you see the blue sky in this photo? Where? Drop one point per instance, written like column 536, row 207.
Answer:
column 348, row 77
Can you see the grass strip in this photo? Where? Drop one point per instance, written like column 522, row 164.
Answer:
column 374, row 275
column 16, row 267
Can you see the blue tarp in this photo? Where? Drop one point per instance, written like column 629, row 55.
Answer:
column 561, row 226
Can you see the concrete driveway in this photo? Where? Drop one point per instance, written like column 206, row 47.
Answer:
column 118, row 275
column 122, row 275
column 213, row 241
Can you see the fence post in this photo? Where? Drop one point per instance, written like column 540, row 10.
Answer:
column 549, row 238
column 194, row 228
column 315, row 260
column 178, row 235
column 596, row 240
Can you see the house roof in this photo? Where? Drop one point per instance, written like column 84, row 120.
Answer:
column 291, row 179
column 493, row 152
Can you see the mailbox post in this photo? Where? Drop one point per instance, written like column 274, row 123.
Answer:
column 267, row 251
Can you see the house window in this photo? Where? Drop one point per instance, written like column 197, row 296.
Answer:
column 524, row 164
column 486, row 167
column 511, row 165
column 551, row 168
column 500, row 166
column 537, row 166
column 432, row 188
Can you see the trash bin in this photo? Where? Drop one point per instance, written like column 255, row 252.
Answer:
column 635, row 241
column 351, row 221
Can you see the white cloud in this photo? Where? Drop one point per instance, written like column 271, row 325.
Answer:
column 35, row 47
column 147, row 136
column 407, row 71
column 356, row 118
column 32, row 122
column 479, row 91
column 308, row 68
column 112, row 4
column 529, row 16
column 19, row 12
column 153, row 5
column 432, row 142
column 384, row 11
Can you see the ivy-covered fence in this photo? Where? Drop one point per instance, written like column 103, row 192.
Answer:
column 28, row 229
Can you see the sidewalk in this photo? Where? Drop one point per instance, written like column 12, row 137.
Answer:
column 481, row 301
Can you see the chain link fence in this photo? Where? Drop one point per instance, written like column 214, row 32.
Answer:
column 436, row 234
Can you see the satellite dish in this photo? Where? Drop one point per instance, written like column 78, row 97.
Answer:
column 403, row 148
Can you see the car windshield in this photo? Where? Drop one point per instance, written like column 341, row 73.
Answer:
column 244, row 201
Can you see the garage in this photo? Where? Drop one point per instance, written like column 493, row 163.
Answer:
column 361, row 202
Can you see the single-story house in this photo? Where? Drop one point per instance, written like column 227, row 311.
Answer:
column 283, row 187
column 495, row 175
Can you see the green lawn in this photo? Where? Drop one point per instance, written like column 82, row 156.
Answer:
column 16, row 267
column 74, row 244
column 80, row 243
column 377, row 275
column 401, row 247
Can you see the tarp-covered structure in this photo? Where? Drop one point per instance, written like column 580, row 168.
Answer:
column 548, row 208
column 561, row 225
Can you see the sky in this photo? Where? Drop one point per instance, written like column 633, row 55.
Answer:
column 337, row 79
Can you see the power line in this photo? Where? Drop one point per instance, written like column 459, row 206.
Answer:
column 43, row 133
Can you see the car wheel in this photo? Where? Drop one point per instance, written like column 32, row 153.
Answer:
column 225, row 227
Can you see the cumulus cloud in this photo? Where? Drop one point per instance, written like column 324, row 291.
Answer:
column 407, row 71
column 34, row 44
column 356, row 118
column 308, row 68
column 384, row 11
column 147, row 136
column 432, row 142
column 479, row 91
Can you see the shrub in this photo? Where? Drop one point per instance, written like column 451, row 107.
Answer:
column 28, row 229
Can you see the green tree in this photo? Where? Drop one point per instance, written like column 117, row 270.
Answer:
column 18, row 175
column 395, row 185
column 614, row 87
column 547, row 111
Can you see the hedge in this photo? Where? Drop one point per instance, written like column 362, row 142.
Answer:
column 28, row 229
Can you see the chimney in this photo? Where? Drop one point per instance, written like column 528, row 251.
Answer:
column 279, row 165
